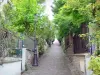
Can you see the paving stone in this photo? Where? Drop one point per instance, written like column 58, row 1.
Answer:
column 53, row 62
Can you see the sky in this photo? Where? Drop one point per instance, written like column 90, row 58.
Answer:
column 48, row 9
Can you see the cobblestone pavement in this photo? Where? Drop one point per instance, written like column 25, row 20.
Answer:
column 53, row 62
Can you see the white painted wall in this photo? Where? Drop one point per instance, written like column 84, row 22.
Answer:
column 14, row 68
column 11, row 68
column 88, row 72
column 23, row 59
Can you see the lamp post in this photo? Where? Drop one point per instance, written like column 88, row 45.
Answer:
column 35, row 58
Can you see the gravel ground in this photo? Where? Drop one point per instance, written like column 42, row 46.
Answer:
column 53, row 62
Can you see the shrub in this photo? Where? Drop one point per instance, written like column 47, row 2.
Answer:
column 94, row 65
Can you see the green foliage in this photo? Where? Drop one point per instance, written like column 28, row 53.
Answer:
column 41, row 46
column 21, row 16
column 12, row 52
column 57, row 5
column 71, row 14
column 25, row 14
column 41, row 1
column 94, row 65
column 97, row 53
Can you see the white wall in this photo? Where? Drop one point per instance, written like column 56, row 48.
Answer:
column 14, row 68
column 23, row 59
column 11, row 68
column 88, row 72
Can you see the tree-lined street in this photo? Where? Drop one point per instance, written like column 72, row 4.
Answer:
column 28, row 29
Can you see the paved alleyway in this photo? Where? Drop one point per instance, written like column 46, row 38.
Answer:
column 51, row 63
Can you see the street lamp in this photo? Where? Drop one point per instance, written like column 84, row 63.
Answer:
column 35, row 58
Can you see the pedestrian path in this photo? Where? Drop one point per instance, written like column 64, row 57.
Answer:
column 53, row 62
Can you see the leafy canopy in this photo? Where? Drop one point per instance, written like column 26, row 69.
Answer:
column 71, row 14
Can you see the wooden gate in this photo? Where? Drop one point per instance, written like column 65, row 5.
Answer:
column 80, row 43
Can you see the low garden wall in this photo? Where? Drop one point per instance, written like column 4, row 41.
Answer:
column 11, row 68
column 78, row 64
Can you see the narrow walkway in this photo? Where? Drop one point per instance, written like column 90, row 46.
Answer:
column 51, row 63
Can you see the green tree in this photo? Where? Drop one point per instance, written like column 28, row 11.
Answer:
column 57, row 5
column 22, row 16
column 71, row 15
